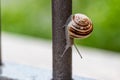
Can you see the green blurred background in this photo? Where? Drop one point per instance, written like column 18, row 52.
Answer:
column 33, row 18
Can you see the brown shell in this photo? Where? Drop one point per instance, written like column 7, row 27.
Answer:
column 81, row 27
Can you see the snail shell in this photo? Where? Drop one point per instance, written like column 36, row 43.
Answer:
column 80, row 26
column 77, row 26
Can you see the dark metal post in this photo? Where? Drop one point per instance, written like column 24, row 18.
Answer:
column 0, row 52
column 0, row 41
column 62, row 66
column 0, row 46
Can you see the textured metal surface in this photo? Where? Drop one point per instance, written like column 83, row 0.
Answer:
column 12, row 71
column 5, row 78
column 0, row 41
column 62, row 66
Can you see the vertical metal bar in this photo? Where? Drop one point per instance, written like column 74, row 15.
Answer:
column 0, row 51
column 62, row 66
column 0, row 41
column 0, row 48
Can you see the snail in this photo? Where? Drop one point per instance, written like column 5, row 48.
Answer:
column 76, row 26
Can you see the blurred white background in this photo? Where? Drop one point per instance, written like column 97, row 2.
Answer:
column 96, row 63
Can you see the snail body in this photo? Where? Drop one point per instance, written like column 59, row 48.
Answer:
column 77, row 26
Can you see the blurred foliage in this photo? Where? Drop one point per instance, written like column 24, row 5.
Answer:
column 33, row 17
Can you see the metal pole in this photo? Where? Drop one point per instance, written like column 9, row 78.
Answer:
column 0, row 41
column 62, row 66
column 0, row 48
column 0, row 52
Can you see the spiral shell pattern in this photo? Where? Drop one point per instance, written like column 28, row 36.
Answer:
column 80, row 27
